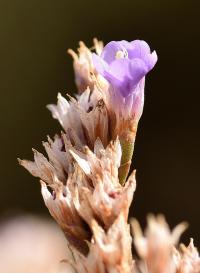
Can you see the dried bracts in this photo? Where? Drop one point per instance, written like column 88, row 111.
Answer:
column 85, row 178
column 86, row 189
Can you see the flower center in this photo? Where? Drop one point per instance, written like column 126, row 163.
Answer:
column 121, row 54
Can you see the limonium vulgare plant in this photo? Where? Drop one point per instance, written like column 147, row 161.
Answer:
column 85, row 181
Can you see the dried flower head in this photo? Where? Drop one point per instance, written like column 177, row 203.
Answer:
column 156, row 247
column 84, row 176
column 90, row 191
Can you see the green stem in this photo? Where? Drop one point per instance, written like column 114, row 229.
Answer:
column 127, row 141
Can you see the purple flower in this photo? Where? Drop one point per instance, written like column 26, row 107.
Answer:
column 124, row 64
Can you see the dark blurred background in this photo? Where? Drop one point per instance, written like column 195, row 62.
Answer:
column 34, row 66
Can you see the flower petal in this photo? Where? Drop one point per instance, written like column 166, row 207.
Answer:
column 120, row 69
column 152, row 60
column 137, row 70
column 139, row 49
column 110, row 50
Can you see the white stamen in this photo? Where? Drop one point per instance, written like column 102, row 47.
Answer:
column 121, row 54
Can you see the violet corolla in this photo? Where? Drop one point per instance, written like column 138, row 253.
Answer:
column 124, row 65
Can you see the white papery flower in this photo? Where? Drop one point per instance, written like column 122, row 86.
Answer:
column 84, row 120
column 83, row 64
column 156, row 246
column 187, row 259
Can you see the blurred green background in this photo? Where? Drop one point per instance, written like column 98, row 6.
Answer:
column 34, row 66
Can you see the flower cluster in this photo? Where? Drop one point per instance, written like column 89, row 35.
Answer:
column 84, row 176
